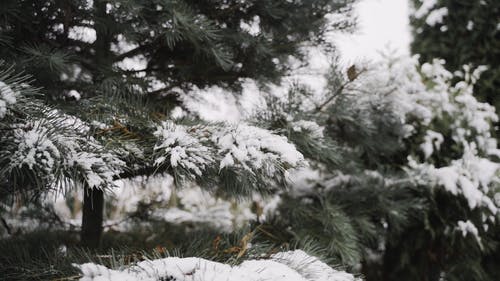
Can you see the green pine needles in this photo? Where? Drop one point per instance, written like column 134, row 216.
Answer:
column 206, row 129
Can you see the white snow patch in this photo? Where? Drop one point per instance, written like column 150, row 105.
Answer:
column 467, row 227
column 425, row 8
column 253, row 148
column 470, row 25
column 82, row 33
column 436, row 16
column 181, row 148
column 7, row 97
column 74, row 94
column 432, row 140
column 252, row 27
column 284, row 266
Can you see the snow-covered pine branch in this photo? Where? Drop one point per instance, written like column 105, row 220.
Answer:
column 282, row 266
column 45, row 149
column 241, row 156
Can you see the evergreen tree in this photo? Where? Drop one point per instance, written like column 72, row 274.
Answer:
column 415, row 192
column 461, row 32
column 118, row 67
column 394, row 170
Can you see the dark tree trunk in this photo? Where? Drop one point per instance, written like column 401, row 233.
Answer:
column 93, row 205
column 93, row 199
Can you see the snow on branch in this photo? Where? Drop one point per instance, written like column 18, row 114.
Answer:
column 183, row 147
column 7, row 98
column 253, row 148
column 54, row 148
column 430, row 98
column 192, row 150
column 283, row 266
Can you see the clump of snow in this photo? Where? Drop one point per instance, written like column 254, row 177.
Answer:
column 252, row 27
column 182, row 147
column 436, row 16
column 35, row 148
column 97, row 169
column 7, row 98
column 303, row 180
column 122, row 45
column 46, row 153
column 425, row 8
column 253, row 148
column 285, row 266
column 470, row 176
column 177, row 113
column 136, row 63
column 310, row 127
column 74, row 94
column 432, row 13
column 467, row 227
column 82, row 33
column 470, row 25
column 432, row 140
column 311, row 267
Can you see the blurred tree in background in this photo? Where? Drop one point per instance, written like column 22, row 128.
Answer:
column 461, row 32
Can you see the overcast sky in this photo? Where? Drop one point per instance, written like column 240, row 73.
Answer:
column 383, row 26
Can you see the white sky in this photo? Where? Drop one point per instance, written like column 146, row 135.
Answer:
column 383, row 26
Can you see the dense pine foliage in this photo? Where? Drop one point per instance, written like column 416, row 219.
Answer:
column 220, row 139
column 461, row 32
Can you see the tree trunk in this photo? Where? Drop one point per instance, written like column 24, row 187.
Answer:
column 93, row 205
column 93, row 198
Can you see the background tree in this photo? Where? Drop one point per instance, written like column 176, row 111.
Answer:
column 460, row 32
column 411, row 146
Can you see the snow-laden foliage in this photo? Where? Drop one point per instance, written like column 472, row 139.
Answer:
column 7, row 98
column 33, row 145
column 471, row 176
column 253, row 148
column 309, row 127
column 42, row 148
column 444, row 131
column 185, row 147
column 246, row 154
column 401, row 130
column 425, row 7
column 430, row 10
column 462, row 124
column 285, row 266
column 50, row 149
column 443, row 120
column 467, row 227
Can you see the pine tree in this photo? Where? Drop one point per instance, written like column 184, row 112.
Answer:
column 119, row 67
column 404, row 166
column 411, row 188
column 460, row 32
